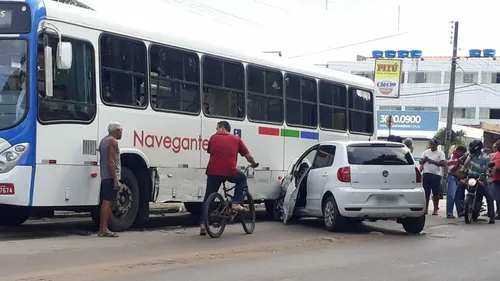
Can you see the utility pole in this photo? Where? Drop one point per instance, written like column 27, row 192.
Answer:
column 451, row 98
column 399, row 16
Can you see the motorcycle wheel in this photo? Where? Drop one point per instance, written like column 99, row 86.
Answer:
column 468, row 210
column 475, row 216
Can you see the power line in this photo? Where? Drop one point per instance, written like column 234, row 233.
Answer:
column 349, row 45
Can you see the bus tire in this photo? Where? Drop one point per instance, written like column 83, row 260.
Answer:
column 13, row 216
column 142, row 217
column 128, row 197
column 193, row 207
column 121, row 223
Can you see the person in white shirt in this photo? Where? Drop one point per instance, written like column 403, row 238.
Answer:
column 432, row 161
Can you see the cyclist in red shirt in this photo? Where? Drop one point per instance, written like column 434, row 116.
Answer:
column 224, row 148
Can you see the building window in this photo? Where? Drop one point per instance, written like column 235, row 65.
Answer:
column 484, row 113
column 460, row 113
column 420, row 108
column 459, row 77
column 370, row 75
column 265, row 95
column 489, row 77
column 301, row 101
column 470, row 77
column 223, row 88
column 494, row 114
column 361, row 117
column 73, row 99
column 390, row 107
column 424, row 77
column 332, row 106
column 174, row 80
column 123, row 71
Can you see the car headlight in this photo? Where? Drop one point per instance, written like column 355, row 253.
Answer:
column 472, row 182
column 10, row 157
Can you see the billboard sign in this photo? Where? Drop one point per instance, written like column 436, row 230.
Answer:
column 388, row 77
column 409, row 120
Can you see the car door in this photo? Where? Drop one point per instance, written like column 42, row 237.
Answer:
column 318, row 175
column 300, row 170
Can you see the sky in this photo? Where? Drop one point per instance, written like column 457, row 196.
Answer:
column 317, row 31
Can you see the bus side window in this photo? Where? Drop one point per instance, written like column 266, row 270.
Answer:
column 301, row 101
column 265, row 95
column 332, row 106
column 361, row 118
column 174, row 79
column 74, row 89
column 223, row 88
column 123, row 71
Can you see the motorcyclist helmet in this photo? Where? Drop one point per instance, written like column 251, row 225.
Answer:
column 475, row 146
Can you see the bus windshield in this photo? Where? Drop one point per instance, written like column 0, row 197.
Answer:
column 13, row 90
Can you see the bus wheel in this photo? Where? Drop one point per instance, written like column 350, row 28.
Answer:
column 13, row 216
column 126, row 206
column 193, row 207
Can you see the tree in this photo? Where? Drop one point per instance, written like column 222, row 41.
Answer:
column 457, row 137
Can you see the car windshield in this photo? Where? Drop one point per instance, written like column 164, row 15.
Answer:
column 379, row 154
column 13, row 95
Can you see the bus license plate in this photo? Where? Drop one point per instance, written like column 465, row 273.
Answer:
column 7, row 189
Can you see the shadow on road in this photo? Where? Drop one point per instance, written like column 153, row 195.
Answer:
column 362, row 228
column 84, row 226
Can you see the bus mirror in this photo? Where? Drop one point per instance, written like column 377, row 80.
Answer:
column 64, row 55
column 48, row 71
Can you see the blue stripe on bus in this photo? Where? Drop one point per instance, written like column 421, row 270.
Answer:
column 309, row 135
column 38, row 13
column 32, row 184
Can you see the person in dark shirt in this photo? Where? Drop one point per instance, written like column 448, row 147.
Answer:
column 224, row 148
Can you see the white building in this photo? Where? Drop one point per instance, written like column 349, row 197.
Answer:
column 426, row 85
column 425, row 88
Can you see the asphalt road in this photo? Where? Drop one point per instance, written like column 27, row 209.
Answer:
column 448, row 253
column 170, row 249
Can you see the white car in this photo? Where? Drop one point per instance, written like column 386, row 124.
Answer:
column 350, row 181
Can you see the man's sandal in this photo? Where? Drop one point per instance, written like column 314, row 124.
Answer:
column 108, row 234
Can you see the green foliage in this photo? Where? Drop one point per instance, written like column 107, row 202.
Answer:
column 457, row 137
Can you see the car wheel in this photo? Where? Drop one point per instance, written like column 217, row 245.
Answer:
column 414, row 225
column 331, row 216
column 278, row 209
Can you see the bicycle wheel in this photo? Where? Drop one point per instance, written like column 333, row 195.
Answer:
column 214, row 215
column 248, row 217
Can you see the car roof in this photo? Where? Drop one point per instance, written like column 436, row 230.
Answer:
column 346, row 143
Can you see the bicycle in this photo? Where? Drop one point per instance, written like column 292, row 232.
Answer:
column 224, row 213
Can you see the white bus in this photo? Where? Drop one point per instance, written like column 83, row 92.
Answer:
column 68, row 70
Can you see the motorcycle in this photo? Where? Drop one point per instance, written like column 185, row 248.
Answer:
column 473, row 203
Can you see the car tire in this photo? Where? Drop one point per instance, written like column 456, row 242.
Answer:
column 277, row 209
column 414, row 225
column 332, row 219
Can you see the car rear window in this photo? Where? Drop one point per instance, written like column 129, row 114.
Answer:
column 378, row 154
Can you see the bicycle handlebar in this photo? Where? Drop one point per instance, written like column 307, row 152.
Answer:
column 251, row 166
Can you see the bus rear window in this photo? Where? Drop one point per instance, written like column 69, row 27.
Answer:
column 379, row 154
column 15, row 18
